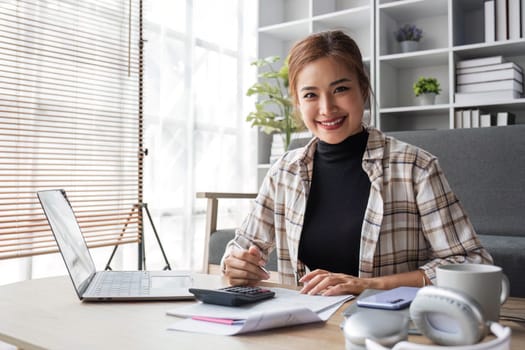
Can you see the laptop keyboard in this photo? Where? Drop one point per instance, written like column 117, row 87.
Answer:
column 122, row 283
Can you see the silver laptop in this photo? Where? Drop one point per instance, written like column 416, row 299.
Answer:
column 105, row 285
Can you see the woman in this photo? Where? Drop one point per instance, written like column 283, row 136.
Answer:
column 353, row 209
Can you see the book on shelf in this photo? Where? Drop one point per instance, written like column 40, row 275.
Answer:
column 489, row 68
column 506, row 84
column 522, row 19
column 492, row 75
column 486, row 96
column 490, row 21
column 486, row 120
column 514, row 19
column 502, row 23
column 466, row 118
column 458, row 119
column 505, row 118
column 483, row 61
column 474, row 118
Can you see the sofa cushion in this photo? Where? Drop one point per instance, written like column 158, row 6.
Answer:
column 486, row 169
column 509, row 253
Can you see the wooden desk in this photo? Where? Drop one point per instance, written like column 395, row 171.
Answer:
column 46, row 314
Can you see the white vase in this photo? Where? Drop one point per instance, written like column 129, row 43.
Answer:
column 408, row 45
column 428, row 98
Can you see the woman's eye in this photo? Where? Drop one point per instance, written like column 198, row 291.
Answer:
column 309, row 95
column 341, row 88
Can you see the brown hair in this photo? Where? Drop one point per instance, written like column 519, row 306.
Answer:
column 335, row 44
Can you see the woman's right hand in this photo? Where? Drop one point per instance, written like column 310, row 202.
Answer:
column 245, row 267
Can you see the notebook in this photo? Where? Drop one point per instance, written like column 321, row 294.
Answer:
column 92, row 285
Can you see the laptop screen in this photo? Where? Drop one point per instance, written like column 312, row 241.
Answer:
column 68, row 236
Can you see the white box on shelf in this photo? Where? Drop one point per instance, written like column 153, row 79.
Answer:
column 492, row 75
column 505, row 118
column 486, row 120
column 507, row 84
column 486, row 96
column 490, row 21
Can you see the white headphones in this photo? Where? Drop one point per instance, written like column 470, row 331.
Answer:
column 447, row 317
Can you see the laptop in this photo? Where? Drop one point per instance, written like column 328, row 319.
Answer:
column 92, row 285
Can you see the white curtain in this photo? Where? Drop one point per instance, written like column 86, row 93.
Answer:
column 197, row 69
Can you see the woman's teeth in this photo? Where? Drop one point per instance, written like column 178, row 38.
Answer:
column 332, row 122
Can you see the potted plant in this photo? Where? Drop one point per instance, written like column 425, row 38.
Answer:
column 427, row 88
column 408, row 37
column 273, row 108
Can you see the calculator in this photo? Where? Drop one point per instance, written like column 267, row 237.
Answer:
column 233, row 295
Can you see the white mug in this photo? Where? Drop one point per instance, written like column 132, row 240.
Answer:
column 487, row 284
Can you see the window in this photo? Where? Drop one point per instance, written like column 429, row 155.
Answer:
column 69, row 118
column 197, row 69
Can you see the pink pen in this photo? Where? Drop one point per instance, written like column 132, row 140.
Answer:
column 226, row 321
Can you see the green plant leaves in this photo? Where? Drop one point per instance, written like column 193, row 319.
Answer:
column 426, row 85
column 273, row 109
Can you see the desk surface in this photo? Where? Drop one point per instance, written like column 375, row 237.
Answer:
column 46, row 314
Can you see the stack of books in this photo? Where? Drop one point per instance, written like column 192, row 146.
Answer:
column 476, row 118
column 488, row 79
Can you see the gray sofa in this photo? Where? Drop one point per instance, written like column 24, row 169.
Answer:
column 486, row 169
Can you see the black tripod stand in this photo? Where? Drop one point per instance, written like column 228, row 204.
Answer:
column 142, row 251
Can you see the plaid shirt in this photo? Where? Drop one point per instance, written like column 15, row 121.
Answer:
column 413, row 219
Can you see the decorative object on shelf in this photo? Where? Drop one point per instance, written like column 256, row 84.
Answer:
column 488, row 79
column 408, row 37
column 273, row 109
column 426, row 89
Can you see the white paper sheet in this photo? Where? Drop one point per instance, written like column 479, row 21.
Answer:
column 286, row 309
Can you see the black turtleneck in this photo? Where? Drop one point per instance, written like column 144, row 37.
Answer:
column 336, row 207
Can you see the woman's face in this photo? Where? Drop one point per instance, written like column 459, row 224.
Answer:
column 330, row 100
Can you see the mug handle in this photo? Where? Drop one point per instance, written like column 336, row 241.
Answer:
column 505, row 288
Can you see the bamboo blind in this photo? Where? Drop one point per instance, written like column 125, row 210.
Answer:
column 71, row 118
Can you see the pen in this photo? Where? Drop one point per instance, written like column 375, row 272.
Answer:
column 239, row 246
column 226, row 321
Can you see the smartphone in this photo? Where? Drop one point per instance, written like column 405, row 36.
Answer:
column 393, row 299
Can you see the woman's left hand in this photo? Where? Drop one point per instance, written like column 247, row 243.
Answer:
column 323, row 282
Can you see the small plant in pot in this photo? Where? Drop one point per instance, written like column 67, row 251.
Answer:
column 273, row 110
column 408, row 37
column 426, row 89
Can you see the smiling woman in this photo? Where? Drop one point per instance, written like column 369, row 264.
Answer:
column 354, row 208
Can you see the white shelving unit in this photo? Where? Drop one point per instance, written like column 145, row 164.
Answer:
column 453, row 30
